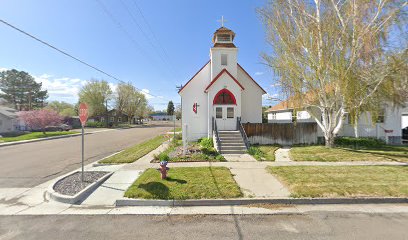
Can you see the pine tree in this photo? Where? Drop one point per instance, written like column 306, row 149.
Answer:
column 170, row 108
column 21, row 90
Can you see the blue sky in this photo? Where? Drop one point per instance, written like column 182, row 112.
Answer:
column 155, row 56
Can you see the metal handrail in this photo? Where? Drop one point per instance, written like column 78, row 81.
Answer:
column 243, row 133
column 217, row 137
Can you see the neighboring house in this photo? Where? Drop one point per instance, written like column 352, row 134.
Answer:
column 8, row 120
column 388, row 126
column 221, row 90
column 111, row 116
column 161, row 117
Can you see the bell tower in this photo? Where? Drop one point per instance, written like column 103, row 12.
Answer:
column 224, row 53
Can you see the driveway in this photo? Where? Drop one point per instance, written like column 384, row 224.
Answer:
column 27, row 165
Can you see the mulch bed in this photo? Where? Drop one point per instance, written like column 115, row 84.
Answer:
column 72, row 184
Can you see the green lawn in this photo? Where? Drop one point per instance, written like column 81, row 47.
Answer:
column 186, row 183
column 34, row 135
column 344, row 181
column 137, row 151
column 320, row 153
column 263, row 152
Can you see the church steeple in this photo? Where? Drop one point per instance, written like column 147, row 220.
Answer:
column 223, row 37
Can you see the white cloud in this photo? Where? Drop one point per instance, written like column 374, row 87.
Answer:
column 61, row 89
column 146, row 92
column 3, row 69
column 270, row 97
column 276, row 85
column 259, row 73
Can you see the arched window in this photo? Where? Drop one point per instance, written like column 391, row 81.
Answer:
column 224, row 96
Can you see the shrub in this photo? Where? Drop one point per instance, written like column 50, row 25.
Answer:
column 254, row 151
column 95, row 124
column 219, row 157
column 206, row 143
column 178, row 137
column 358, row 142
column 164, row 157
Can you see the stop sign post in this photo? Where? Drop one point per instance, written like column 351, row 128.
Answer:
column 83, row 117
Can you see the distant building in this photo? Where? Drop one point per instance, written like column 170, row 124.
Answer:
column 388, row 127
column 8, row 120
column 161, row 117
column 112, row 116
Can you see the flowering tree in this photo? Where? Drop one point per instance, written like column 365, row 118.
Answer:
column 40, row 119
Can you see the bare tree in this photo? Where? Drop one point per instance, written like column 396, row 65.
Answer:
column 331, row 55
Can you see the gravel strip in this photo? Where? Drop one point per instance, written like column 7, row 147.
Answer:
column 72, row 184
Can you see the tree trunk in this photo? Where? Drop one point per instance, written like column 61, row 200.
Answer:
column 355, row 125
column 356, row 130
column 329, row 140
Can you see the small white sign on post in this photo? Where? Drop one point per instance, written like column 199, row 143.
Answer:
column 184, row 134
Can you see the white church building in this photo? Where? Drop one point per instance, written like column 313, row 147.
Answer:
column 221, row 93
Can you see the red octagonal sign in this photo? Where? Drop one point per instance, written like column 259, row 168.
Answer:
column 83, row 113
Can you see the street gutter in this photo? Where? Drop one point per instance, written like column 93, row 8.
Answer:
column 249, row 201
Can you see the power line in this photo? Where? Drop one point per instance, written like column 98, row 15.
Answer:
column 153, row 34
column 73, row 57
column 123, row 29
column 149, row 40
column 120, row 26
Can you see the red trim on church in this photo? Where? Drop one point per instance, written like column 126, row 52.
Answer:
column 251, row 78
column 226, row 91
column 219, row 75
column 181, row 89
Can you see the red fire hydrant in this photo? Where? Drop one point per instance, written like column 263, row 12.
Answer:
column 163, row 169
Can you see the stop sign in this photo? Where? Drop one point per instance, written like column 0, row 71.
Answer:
column 83, row 113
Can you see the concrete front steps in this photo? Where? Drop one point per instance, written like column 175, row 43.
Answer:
column 231, row 142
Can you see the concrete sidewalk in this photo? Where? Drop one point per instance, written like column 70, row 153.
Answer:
column 257, row 182
column 282, row 155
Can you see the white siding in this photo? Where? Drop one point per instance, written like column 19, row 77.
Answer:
column 215, row 55
column 194, row 93
column 251, row 108
column 366, row 128
column 7, row 124
column 225, row 81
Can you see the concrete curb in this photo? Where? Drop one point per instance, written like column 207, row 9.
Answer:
column 48, row 138
column 77, row 198
column 98, row 164
column 247, row 201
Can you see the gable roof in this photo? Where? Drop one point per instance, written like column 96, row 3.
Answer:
column 219, row 75
column 8, row 112
column 284, row 105
column 263, row 90
column 181, row 89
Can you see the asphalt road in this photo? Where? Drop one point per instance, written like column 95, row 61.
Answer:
column 332, row 225
column 30, row 164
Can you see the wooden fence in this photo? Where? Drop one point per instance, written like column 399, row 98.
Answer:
column 281, row 133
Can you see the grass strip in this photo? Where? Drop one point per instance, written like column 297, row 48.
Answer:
column 344, row 181
column 132, row 154
column 186, row 183
column 336, row 154
column 34, row 135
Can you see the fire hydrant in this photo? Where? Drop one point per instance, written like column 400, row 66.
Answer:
column 163, row 169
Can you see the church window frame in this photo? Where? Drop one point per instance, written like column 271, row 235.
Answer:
column 224, row 59
column 224, row 97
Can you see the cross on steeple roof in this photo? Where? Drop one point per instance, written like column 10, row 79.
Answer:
column 222, row 21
